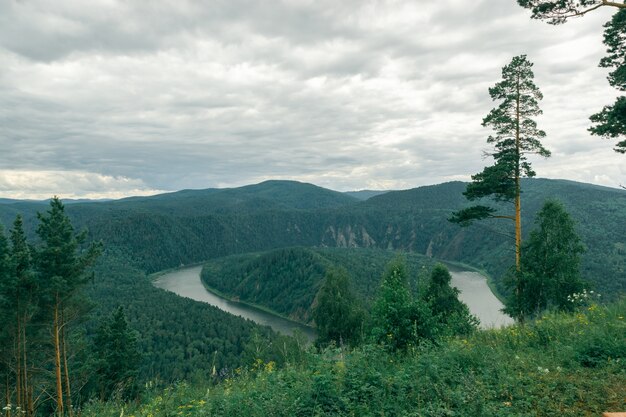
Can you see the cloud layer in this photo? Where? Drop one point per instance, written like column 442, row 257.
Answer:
column 135, row 97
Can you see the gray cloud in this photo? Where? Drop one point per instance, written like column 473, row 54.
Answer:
column 349, row 95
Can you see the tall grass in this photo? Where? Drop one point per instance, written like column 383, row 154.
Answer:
column 559, row 365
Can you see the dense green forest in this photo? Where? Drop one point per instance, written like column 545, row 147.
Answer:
column 169, row 230
column 179, row 338
column 287, row 280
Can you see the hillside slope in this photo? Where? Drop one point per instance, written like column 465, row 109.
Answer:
column 190, row 226
column 287, row 280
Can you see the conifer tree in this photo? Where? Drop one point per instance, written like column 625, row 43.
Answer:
column 558, row 11
column 337, row 315
column 5, row 317
column 24, row 306
column 451, row 314
column 61, row 267
column 550, row 265
column 117, row 353
column 398, row 321
column 516, row 136
column 610, row 123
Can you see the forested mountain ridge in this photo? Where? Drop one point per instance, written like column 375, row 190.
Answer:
column 168, row 230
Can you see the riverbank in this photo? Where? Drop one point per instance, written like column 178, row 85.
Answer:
column 187, row 282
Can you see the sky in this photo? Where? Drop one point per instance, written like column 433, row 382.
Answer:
column 111, row 98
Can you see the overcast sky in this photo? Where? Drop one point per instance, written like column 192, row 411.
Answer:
column 109, row 98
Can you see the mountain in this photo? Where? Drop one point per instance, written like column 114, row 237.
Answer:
column 190, row 226
column 365, row 194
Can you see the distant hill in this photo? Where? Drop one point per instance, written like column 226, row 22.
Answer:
column 365, row 194
column 189, row 226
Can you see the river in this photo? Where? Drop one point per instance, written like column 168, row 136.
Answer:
column 478, row 296
column 186, row 282
column 474, row 290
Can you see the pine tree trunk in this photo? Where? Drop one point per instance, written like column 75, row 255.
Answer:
column 8, row 398
column 18, row 357
column 31, row 403
column 518, row 202
column 67, row 377
column 25, row 406
column 57, row 359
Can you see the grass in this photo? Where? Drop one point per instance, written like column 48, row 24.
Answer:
column 562, row 364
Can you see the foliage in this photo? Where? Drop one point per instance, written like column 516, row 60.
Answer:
column 117, row 357
column 611, row 121
column 451, row 315
column 558, row 11
column 554, row 366
column 398, row 322
column 516, row 135
column 287, row 280
column 550, row 265
column 338, row 316
column 179, row 339
column 40, row 291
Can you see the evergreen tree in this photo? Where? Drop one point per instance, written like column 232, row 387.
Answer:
column 516, row 135
column 5, row 317
column 611, row 121
column 550, row 266
column 25, row 304
column 61, row 267
column 118, row 357
column 558, row 11
column 337, row 315
column 398, row 322
column 451, row 314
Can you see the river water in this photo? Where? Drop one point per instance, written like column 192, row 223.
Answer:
column 475, row 293
column 478, row 296
column 186, row 282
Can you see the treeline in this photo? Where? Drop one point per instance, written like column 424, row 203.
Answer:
column 192, row 226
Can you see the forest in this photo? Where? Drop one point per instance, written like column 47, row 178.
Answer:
column 86, row 333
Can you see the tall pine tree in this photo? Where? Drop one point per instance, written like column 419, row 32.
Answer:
column 516, row 136
column 61, row 266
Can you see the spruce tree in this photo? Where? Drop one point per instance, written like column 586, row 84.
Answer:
column 117, row 352
column 6, row 335
column 61, row 267
column 451, row 314
column 550, row 265
column 337, row 314
column 516, row 136
column 398, row 321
